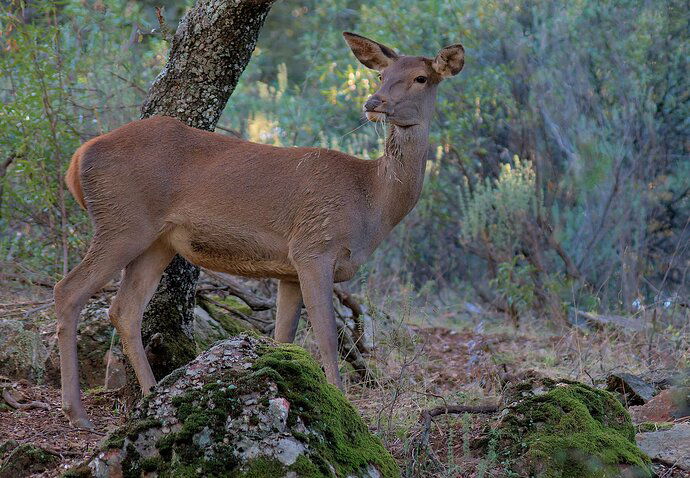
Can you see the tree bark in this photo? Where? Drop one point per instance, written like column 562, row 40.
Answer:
column 209, row 52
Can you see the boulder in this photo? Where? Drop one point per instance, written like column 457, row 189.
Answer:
column 246, row 407
column 22, row 352
column 561, row 428
column 670, row 446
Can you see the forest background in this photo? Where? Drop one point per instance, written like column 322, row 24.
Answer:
column 558, row 175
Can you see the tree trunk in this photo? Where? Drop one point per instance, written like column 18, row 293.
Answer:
column 209, row 52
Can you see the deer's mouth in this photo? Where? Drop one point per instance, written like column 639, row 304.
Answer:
column 375, row 116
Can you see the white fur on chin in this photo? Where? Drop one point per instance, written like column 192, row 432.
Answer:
column 375, row 116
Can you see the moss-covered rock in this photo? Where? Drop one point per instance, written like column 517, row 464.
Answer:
column 27, row 460
column 247, row 407
column 567, row 429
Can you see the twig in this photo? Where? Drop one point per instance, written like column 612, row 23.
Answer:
column 165, row 29
column 349, row 351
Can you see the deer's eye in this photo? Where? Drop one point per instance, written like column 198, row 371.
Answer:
column 420, row 79
column 380, row 77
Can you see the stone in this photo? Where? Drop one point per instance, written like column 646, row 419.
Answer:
column 245, row 407
column 562, row 428
column 210, row 328
column 22, row 352
column 668, row 405
column 95, row 334
column 671, row 447
column 634, row 389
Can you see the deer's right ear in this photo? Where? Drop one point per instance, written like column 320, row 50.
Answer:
column 370, row 53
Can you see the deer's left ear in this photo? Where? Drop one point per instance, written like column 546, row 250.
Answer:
column 449, row 61
column 371, row 54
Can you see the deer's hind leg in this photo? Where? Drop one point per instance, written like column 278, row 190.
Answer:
column 139, row 282
column 106, row 256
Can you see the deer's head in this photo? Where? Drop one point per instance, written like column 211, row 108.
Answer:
column 408, row 83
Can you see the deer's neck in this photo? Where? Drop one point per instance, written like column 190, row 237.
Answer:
column 400, row 172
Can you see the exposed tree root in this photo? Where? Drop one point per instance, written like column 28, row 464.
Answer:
column 14, row 403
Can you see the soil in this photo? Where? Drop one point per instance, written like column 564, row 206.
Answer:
column 50, row 430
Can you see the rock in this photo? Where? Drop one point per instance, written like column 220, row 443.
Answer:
column 22, row 352
column 634, row 389
column 209, row 329
column 94, row 336
column 671, row 447
column 27, row 460
column 552, row 428
column 246, row 407
column 670, row 404
column 593, row 321
column 115, row 371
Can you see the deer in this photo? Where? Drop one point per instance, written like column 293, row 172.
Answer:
column 308, row 217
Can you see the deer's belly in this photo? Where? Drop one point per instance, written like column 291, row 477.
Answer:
column 235, row 254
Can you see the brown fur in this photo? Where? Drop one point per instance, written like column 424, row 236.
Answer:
column 306, row 216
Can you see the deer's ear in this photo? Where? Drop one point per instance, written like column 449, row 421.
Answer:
column 370, row 53
column 449, row 61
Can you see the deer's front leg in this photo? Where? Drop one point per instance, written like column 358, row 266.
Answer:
column 289, row 308
column 316, row 280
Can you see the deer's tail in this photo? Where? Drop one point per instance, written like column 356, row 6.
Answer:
column 73, row 179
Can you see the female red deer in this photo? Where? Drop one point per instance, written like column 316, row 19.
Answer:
column 308, row 217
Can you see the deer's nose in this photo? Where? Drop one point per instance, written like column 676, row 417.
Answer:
column 373, row 103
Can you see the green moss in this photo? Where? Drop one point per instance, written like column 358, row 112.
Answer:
column 263, row 467
column 570, row 431
column 81, row 471
column 344, row 439
column 197, row 410
column 131, row 431
column 306, row 468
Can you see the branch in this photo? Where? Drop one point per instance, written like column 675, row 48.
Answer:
column 348, row 301
column 262, row 325
column 234, row 287
column 165, row 29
